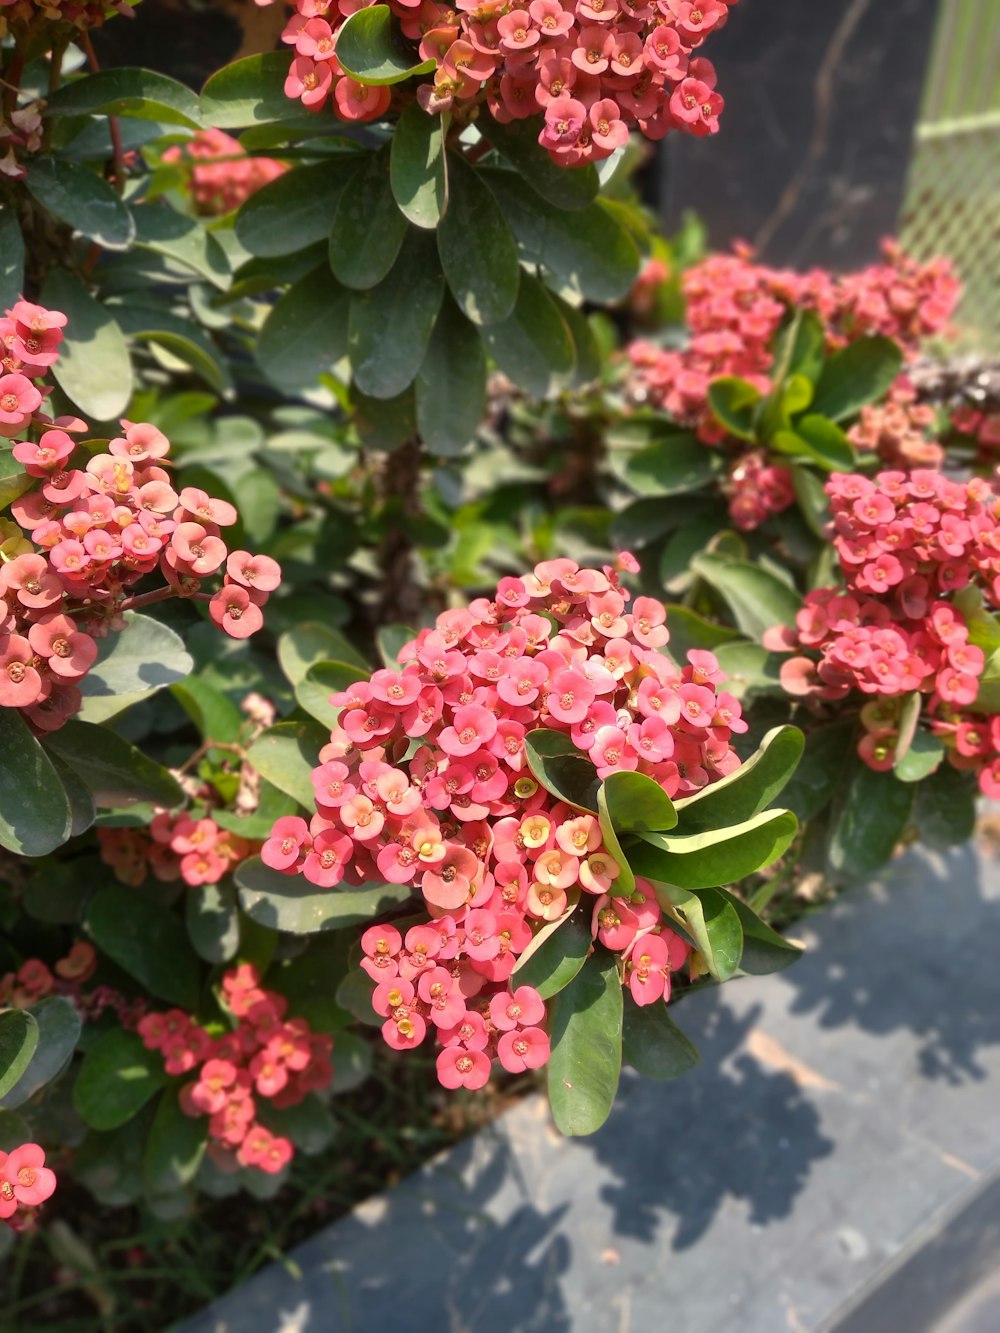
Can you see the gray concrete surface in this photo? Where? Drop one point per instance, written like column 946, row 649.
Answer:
column 844, row 1116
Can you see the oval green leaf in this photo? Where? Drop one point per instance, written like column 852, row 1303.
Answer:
column 418, row 167
column 751, row 788
column 306, row 332
column 390, row 325
column 532, row 346
column 722, row 856
column 451, row 384
column 654, row 1045
column 59, row 1027
column 35, row 814
column 75, row 194
column 113, row 771
column 558, row 958
column 296, row 209
column 145, row 657
column 93, row 370
column 371, row 48
column 116, row 1080
column 484, row 275
column 367, row 228
column 586, row 1032
column 286, row 754
column 18, row 1040
column 291, row 903
column 140, row 94
column 148, row 941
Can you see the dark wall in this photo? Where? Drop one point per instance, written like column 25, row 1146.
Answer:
column 821, row 99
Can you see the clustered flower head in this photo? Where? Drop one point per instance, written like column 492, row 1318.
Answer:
column 906, row 543
column 735, row 307
column 756, row 489
column 87, row 533
column 25, row 1180
column 222, row 174
column 592, row 69
column 425, row 782
column 34, row 979
column 900, row 430
column 177, row 846
column 267, row 1056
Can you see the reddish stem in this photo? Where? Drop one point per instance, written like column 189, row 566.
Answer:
column 114, row 125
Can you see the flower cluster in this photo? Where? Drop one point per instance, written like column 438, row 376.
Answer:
column 177, row 846
column 900, row 431
column 735, row 307
column 756, row 489
column 972, row 744
column 86, row 534
column 592, row 69
column 34, row 979
column 425, row 781
column 905, row 543
column 222, row 174
column 25, row 1180
column 267, row 1056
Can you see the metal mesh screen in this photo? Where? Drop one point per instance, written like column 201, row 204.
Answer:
column 952, row 204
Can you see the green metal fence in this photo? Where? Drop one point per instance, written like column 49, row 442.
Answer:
column 952, row 204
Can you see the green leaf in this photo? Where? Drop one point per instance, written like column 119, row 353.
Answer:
column 764, row 950
column 308, row 1124
column 390, row 325
column 139, row 94
column 690, row 630
column 418, row 168
column 586, row 1060
column 812, row 500
column 11, row 265
column 945, row 808
column 291, row 903
column 518, row 143
column 167, row 232
column 213, row 713
column 827, row 756
column 558, row 958
column 861, row 373
column 672, row 465
column 451, row 384
column 213, row 922
column 148, row 941
column 294, row 210
column 923, row 757
column 391, row 640
column 35, row 815
column 868, row 821
column 820, row 441
column 175, row 1146
column 18, row 1040
column 59, row 1027
column 749, row 668
column 14, row 481
column 720, row 856
column 654, row 1045
column 93, row 370
column 757, row 599
column 74, row 193
column 561, row 768
column 587, row 353
column 532, row 346
column 588, row 251
column 354, row 994
column 799, row 348
column 248, row 92
column 286, row 754
column 734, row 402
column 116, row 1080
column 384, row 423
column 750, row 789
column 306, row 332
column 145, row 657
column 636, row 803
column 273, row 805
column 484, row 276
column 311, row 642
column 115, row 772
column 713, row 924
column 371, row 49
column 181, row 338
column 56, row 893
column 368, row 228
column 321, row 680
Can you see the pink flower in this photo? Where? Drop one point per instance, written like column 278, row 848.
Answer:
column 458, row 1067
column 24, row 1178
column 527, row 1048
